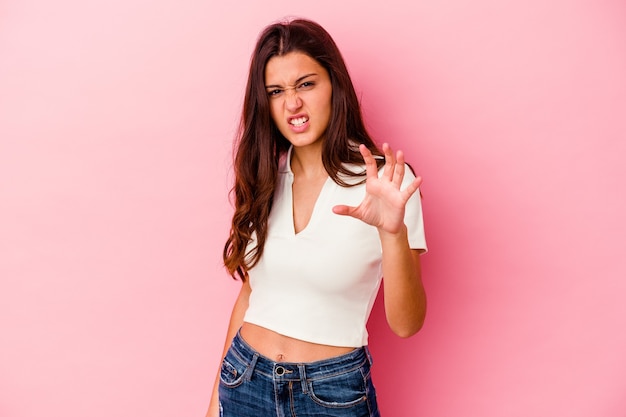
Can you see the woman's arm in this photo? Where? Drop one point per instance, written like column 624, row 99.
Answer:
column 404, row 295
column 236, row 320
column 384, row 207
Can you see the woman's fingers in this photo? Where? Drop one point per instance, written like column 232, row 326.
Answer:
column 393, row 170
column 398, row 173
column 371, row 168
column 390, row 162
column 344, row 210
column 412, row 187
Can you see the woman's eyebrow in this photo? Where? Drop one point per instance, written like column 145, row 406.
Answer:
column 296, row 83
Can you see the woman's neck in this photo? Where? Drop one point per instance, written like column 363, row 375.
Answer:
column 307, row 162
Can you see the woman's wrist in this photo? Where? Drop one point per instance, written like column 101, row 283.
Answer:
column 401, row 236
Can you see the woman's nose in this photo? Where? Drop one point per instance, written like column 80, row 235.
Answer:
column 292, row 100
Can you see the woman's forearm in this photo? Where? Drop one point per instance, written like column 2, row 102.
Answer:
column 404, row 295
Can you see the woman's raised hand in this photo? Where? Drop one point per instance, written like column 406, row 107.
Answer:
column 384, row 203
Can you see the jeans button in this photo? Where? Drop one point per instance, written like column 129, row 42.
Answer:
column 279, row 370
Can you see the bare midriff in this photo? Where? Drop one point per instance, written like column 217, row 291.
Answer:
column 282, row 348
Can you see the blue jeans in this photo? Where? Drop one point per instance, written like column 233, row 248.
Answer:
column 252, row 385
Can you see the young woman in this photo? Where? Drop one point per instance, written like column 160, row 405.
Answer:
column 321, row 215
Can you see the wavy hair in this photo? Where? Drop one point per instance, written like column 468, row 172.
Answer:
column 259, row 143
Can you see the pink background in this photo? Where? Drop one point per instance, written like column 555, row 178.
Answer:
column 116, row 122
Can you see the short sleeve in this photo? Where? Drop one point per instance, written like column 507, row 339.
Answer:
column 413, row 217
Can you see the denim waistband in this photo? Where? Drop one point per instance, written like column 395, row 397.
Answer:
column 293, row 371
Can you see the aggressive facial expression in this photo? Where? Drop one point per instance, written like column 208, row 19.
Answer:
column 300, row 93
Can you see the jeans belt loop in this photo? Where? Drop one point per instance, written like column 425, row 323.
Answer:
column 369, row 355
column 303, row 378
column 248, row 374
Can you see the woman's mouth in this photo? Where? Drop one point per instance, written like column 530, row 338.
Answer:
column 298, row 121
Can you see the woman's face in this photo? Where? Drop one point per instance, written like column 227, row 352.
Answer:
column 300, row 92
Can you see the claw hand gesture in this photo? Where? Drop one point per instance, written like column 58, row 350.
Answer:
column 384, row 203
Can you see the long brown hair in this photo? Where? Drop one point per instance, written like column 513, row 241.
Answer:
column 260, row 144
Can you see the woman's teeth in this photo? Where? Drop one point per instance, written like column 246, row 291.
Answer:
column 299, row 121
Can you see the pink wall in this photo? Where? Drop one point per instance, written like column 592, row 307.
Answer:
column 116, row 120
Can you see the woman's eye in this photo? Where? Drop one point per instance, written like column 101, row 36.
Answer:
column 307, row 85
column 274, row 93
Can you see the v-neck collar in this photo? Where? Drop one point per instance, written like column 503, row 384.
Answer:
column 288, row 198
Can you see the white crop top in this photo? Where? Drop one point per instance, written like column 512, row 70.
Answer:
column 319, row 285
